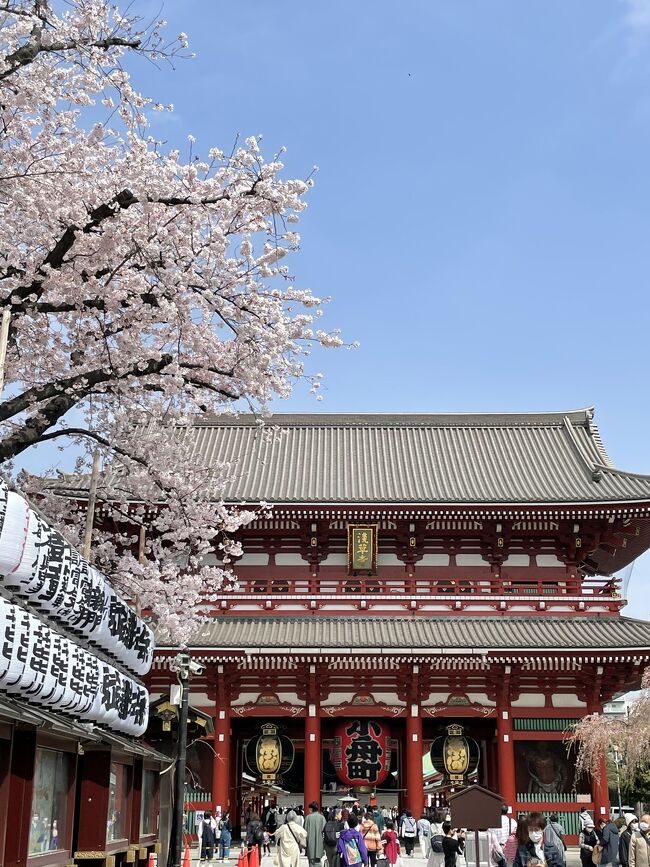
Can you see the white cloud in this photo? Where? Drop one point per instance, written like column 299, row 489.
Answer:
column 637, row 15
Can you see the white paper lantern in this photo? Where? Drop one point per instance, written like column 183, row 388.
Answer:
column 55, row 575
column 28, row 578
column 79, row 695
column 119, row 620
column 143, row 648
column 37, row 678
column 17, row 644
column 15, row 525
column 54, row 694
column 6, row 638
column 135, row 716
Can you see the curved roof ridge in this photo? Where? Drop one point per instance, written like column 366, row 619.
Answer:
column 589, row 465
column 598, row 442
column 617, row 471
column 470, row 419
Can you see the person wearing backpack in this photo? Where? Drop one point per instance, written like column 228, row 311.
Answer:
column 331, row 831
column 424, row 834
column 555, row 833
column 408, row 832
column 226, row 837
column 351, row 847
column 255, row 834
column 436, row 850
column 207, row 834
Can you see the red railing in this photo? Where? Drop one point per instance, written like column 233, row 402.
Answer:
column 283, row 582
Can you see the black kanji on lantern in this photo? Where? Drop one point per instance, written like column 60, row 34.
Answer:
column 363, row 754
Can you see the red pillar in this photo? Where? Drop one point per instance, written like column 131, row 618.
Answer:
column 492, row 765
column 414, row 753
column 506, row 756
column 602, row 807
column 221, row 760
column 21, row 789
column 599, row 788
column 313, row 756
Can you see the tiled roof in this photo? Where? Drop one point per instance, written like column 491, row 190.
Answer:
column 445, row 459
column 430, row 635
column 483, row 458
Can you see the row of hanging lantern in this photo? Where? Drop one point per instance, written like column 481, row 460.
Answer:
column 40, row 566
column 47, row 669
column 40, row 660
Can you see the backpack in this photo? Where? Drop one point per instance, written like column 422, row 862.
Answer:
column 352, row 853
column 436, row 844
column 410, row 830
column 331, row 833
column 258, row 833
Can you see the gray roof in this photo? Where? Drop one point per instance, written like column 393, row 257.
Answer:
column 430, row 635
column 536, row 458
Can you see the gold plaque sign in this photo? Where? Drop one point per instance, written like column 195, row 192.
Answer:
column 362, row 548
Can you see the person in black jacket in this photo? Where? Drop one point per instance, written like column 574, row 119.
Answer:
column 535, row 848
column 588, row 841
column 255, row 834
column 624, row 840
column 453, row 843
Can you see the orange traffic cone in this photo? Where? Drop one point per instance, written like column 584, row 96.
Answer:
column 186, row 857
column 242, row 861
column 152, row 860
column 254, row 856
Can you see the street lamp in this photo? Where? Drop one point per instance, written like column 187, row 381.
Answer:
column 617, row 761
column 185, row 667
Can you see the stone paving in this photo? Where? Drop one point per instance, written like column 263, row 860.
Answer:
column 573, row 859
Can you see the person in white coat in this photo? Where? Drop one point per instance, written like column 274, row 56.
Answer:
column 291, row 838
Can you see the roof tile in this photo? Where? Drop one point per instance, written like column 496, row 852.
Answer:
column 427, row 634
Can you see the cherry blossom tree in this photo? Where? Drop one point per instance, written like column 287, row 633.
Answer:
column 142, row 287
column 595, row 736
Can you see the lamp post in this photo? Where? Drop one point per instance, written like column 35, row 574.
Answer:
column 183, row 670
column 617, row 761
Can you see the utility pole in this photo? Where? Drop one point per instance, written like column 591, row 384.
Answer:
column 617, row 761
column 4, row 340
column 90, row 509
column 181, row 755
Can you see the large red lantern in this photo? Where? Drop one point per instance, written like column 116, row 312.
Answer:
column 361, row 752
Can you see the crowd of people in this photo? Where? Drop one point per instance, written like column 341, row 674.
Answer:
column 378, row 837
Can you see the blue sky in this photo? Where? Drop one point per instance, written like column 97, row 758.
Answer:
column 481, row 214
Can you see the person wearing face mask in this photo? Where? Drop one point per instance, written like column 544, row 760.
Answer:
column 639, row 854
column 589, row 844
column 610, row 845
column 631, row 825
column 535, row 847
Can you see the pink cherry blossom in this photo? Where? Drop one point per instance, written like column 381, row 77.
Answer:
column 142, row 290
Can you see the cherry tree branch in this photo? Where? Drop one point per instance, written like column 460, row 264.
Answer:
column 93, row 435
column 28, row 53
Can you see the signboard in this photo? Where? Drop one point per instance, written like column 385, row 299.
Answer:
column 362, row 548
column 361, row 752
